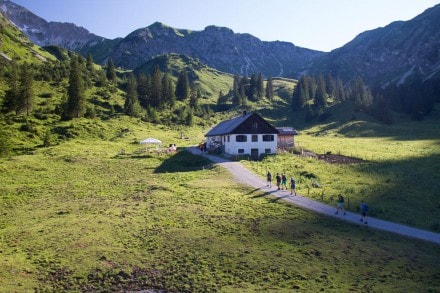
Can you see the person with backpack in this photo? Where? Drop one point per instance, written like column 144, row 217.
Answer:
column 278, row 178
column 283, row 181
column 292, row 185
column 364, row 210
column 269, row 179
column 340, row 204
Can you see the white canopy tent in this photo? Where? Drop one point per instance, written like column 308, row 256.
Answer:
column 150, row 140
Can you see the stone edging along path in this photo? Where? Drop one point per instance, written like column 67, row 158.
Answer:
column 244, row 176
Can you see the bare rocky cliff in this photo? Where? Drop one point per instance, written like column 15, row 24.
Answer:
column 397, row 53
column 43, row 33
column 218, row 47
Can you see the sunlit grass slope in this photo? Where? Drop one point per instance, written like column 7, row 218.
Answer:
column 108, row 214
column 400, row 176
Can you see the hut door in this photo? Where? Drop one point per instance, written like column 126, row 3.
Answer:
column 254, row 154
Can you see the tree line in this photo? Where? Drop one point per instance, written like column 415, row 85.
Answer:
column 148, row 94
column 247, row 89
column 145, row 95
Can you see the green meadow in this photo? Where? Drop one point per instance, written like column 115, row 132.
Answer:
column 105, row 214
column 85, row 208
column 399, row 175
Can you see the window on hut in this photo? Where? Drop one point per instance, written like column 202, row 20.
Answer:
column 268, row 137
column 241, row 138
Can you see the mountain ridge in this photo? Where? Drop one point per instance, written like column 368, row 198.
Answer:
column 270, row 58
column 218, row 47
column 391, row 54
column 397, row 53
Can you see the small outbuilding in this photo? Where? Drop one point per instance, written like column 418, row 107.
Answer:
column 286, row 137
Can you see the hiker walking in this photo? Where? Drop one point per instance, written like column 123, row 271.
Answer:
column 278, row 178
column 269, row 179
column 283, row 181
column 340, row 204
column 364, row 210
column 292, row 186
column 201, row 146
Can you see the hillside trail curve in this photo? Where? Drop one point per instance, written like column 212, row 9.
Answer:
column 243, row 175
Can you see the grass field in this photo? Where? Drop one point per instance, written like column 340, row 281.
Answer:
column 109, row 215
column 400, row 176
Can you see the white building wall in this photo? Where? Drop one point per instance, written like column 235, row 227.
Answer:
column 233, row 146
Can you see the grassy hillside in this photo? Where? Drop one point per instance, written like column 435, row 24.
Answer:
column 107, row 214
column 14, row 45
column 209, row 80
column 399, row 175
column 85, row 207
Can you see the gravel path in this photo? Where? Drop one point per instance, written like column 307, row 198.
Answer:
column 244, row 176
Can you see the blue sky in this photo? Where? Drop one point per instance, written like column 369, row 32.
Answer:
column 315, row 24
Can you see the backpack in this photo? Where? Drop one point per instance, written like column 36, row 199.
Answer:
column 365, row 207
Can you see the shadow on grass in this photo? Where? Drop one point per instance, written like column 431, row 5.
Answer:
column 269, row 194
column 183, row 161
column 139, row 157
column 365, row 126
column 408, row 192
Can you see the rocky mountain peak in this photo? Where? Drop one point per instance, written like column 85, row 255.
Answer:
column 396, row 53
column 212, row 29
column 44, row 33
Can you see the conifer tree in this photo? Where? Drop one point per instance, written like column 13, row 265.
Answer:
column 269, row 89
column 168, row 92
column 189, row 119
column 242, row 91
column 111, row 71
column 252, row 88
column 90, row 64
column 131, row 105
column 75, row 91
column 339, row 91
column 301, row 93
column 102, row 79
column 143, row 88
column 194, row 99
column 310, row 113
column 156, row 88
column 171, row 90
column 381, row 110
column 320, row 98
column 236, row 91
column 182, row 86
column 12, row 94
column 259, row 87
column 25, row 97
column 152, row 114
column 311, row 87
column 244, row 88
column 330, row 85
column 222, row 99
column 361, row 95
column 47, row 138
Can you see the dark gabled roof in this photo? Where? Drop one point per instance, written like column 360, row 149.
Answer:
column 286, row 131
column 228, row 126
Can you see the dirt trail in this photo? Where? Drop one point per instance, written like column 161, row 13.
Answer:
column 244, row 176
